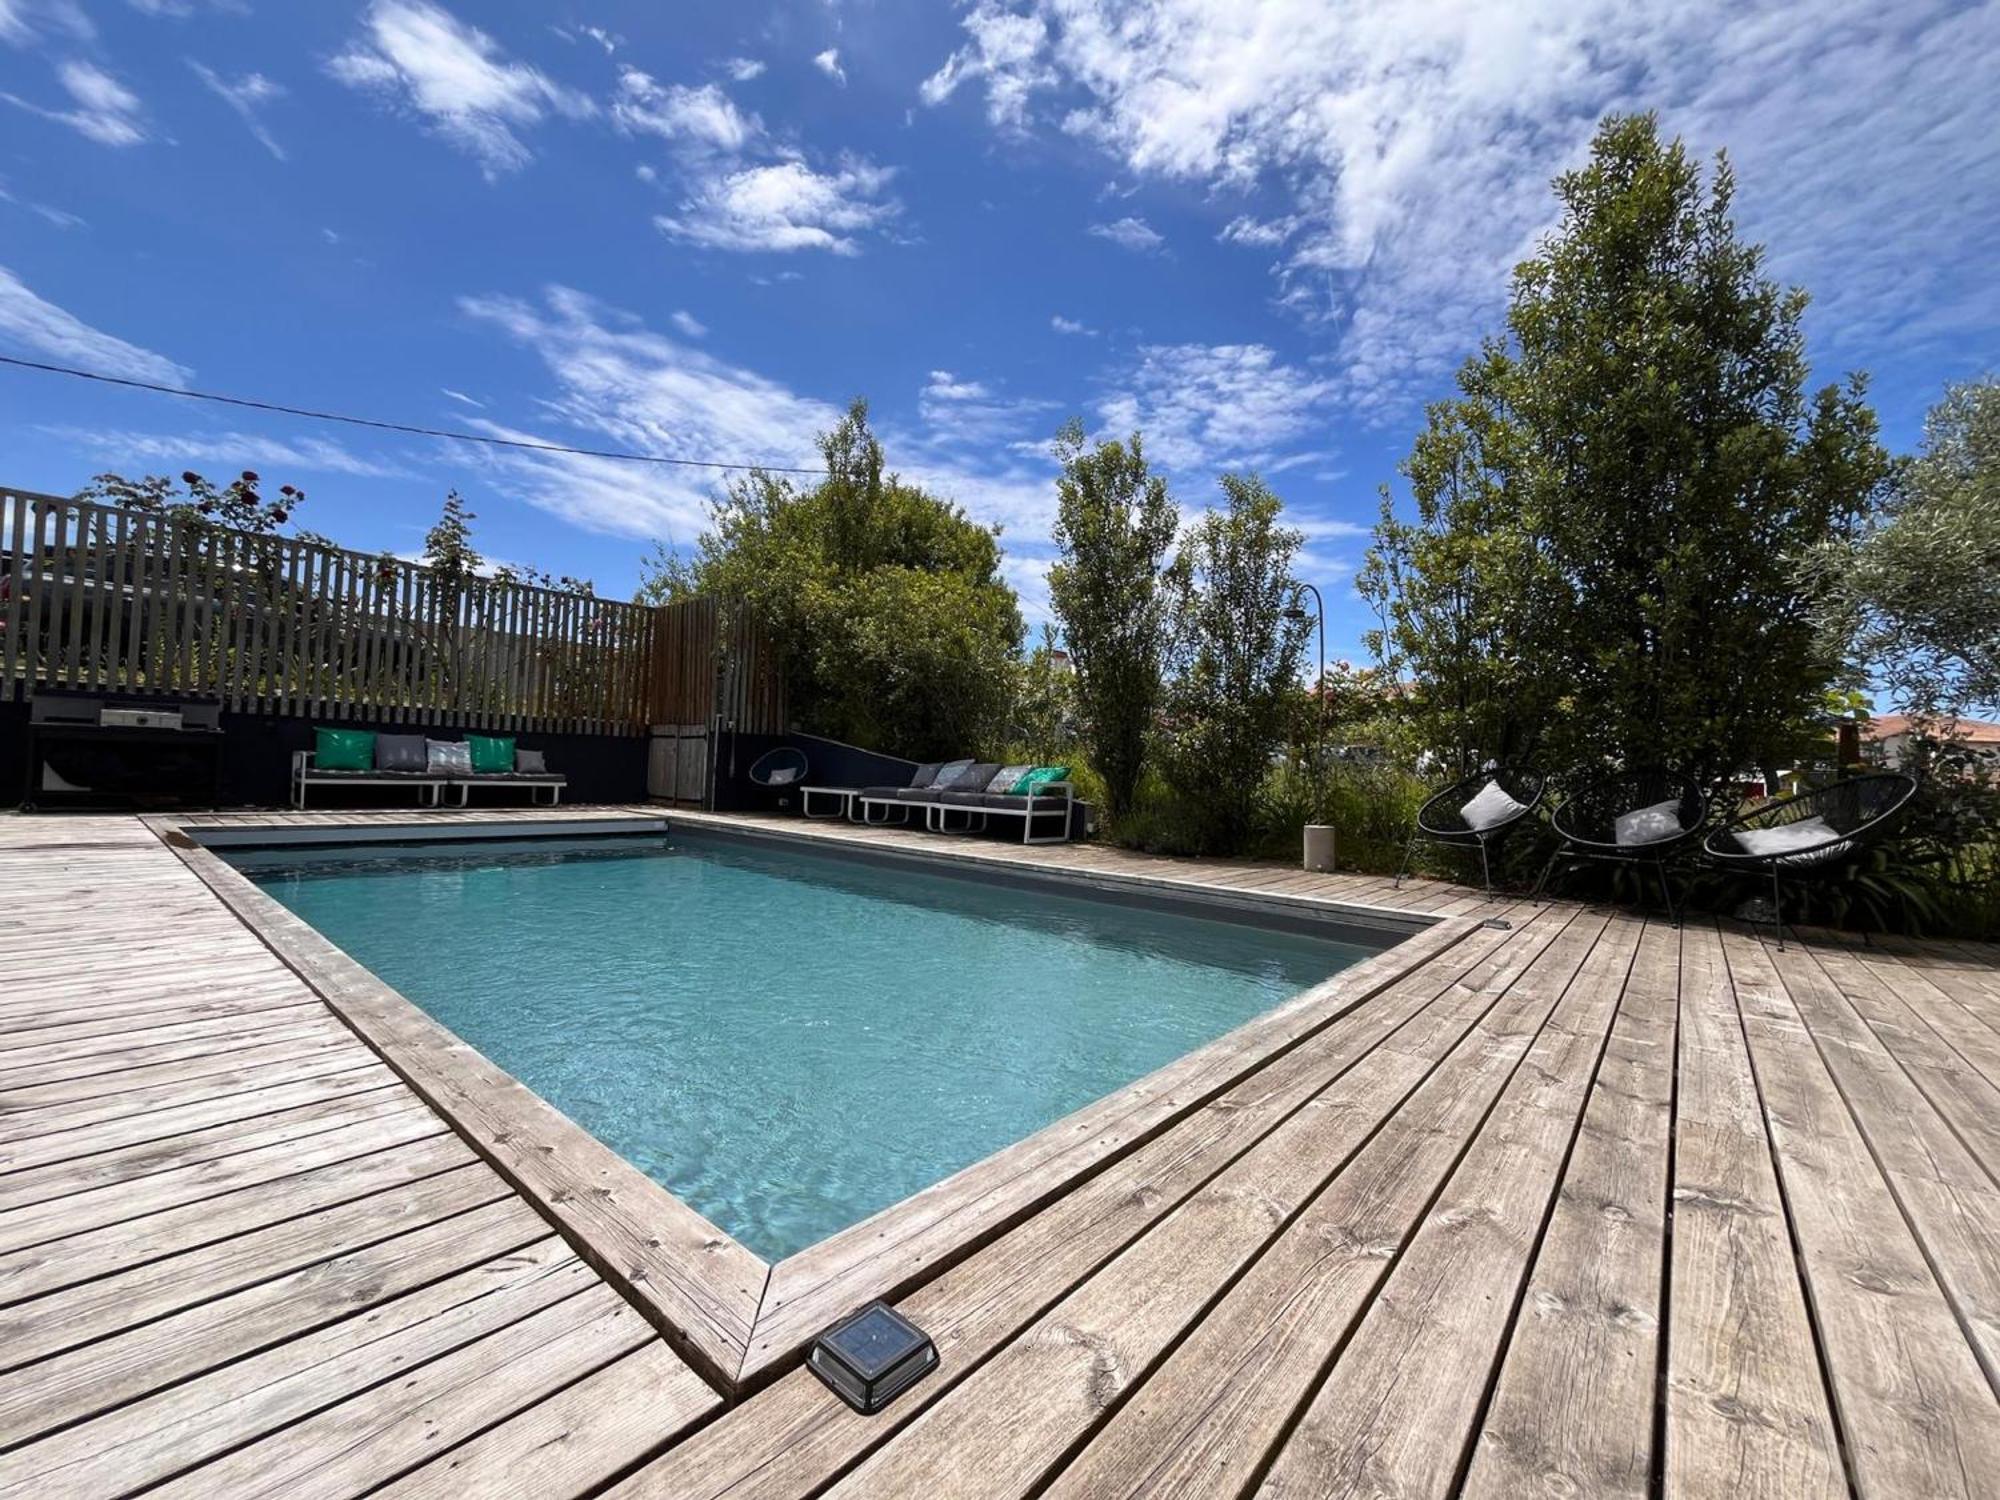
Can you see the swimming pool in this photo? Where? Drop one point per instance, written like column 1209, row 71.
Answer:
column 787, row 1041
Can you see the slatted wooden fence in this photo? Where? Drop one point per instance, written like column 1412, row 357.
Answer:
column 107, row 600
column 710, row 662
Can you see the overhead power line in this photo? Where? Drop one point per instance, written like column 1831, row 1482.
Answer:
column 405, row 427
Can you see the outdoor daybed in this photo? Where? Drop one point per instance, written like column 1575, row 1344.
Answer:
column 360, row 757
column 976, row 791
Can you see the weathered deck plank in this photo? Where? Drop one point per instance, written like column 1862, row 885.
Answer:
column 1573, row 1405
column 1914, row 1405
column 1553, row 1193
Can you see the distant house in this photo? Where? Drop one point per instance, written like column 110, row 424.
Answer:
column 1886, row 737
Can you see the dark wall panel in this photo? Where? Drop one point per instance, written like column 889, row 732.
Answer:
column 257, row 758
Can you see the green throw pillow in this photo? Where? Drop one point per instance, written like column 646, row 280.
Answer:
column 491, row 752
column 1038, row 778
column 344, row 749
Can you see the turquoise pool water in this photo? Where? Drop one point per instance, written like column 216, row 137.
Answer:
column 787, row 1041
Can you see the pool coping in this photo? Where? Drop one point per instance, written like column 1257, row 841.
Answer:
column 741, row 1319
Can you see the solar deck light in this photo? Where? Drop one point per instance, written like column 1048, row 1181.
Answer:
column 872, row 1356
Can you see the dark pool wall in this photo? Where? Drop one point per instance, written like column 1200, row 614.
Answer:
column 257, row 759
column 828, row 763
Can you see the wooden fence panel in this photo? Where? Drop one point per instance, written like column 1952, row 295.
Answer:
column 707, row 661
column 113, row 601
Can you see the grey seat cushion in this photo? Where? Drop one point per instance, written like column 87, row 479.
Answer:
column 377, row 774
column 996, row 802
column 400, row 752
column 918, row 794
column 883, row 793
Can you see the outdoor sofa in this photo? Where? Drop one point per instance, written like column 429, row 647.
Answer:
column 972, row 791
column 360, row 757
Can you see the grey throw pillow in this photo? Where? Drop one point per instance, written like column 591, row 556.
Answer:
column 973, row 778
column 1489, row 809
column 448, row 757
column 400, row 752
column 531, row 762
column 949, row 772
column 1648, row 825
column 1004, row 782
column 926, row 773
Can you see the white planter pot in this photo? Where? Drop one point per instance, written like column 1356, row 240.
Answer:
column 1319, row 846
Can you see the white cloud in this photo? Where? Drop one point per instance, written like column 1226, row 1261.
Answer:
column 61, row 218
column 1130, row 233
column 688, row 324
column 743, row 69
column 828, row 62
column 619, row 384
column 702, row 117
column 628, row 387
column 1246, row 229
column 246, row 96
column 21, row 21
column 943, row 387
column 105, row 110
column 225, row 452
column 1413, row 146
column 455, row 77
column 1008, row 52
column 783, row 206
column 28, row 321
column 966, row 423
column 1209, row 407
column 1071, row 326
column 462, row 398
column 741, row 190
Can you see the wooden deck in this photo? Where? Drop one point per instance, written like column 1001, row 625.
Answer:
column 1578, row 1205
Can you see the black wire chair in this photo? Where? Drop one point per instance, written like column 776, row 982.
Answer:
column 1857, row 812
column 1441, row 821
column 1586, row 823
column 782, row 767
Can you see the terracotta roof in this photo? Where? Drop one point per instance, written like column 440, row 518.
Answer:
column 1974, row 731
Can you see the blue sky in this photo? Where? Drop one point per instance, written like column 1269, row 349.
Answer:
column 1264, row 234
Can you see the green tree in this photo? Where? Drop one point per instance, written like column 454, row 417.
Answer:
column 1237, row 642
column 1114, row 523
column 1610, row 517
column 883, row 604
column 1918, row 592
column 1045, row 727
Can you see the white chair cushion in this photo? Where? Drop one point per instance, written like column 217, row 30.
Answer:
column 1490, row 808
column 1786, row 837
column 1648, row 825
